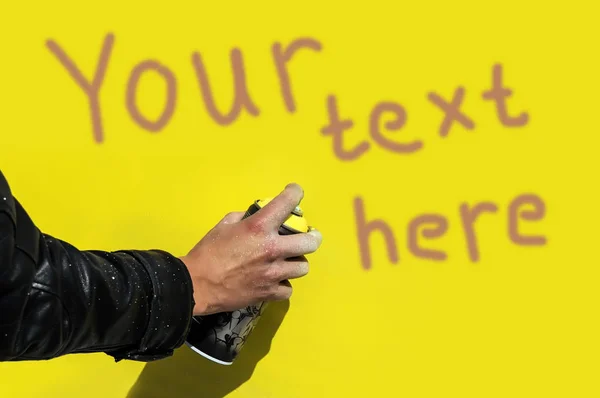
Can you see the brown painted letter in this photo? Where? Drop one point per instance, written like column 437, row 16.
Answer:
column 452, row 111
column 468, row 219
column 500, row 94
column 134, row 79
column 91, row 89
column 393, row 125
column 281, row 59
column 441, row 226
column 538, row 212
column 364, row 230
column 336, row 129
column 241, row 96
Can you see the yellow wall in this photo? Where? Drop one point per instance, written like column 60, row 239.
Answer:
column 521, row 321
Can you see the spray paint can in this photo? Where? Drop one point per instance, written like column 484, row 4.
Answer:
column 220, row 337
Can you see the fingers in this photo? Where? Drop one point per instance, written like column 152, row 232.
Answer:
column 286, row 269
column 279, row 209
column 283, row 291
column 279, row 274
column 286, row 283
column 300, row 244
column 290, row 269
column 233, row 217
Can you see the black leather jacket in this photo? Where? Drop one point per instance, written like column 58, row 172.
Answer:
column 57, row 300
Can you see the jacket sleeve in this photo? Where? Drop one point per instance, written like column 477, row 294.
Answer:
column 57, row 300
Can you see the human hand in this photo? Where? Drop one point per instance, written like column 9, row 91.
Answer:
column 242, row 262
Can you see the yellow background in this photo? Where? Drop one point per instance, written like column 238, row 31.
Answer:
column 521, row 322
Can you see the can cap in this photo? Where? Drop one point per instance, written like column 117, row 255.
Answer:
column 295, row 221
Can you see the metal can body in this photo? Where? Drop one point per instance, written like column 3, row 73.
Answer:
column 220, row 337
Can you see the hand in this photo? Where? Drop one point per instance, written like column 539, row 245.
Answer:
column 242, row 262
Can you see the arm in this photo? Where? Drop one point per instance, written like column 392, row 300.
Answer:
column 57, row 300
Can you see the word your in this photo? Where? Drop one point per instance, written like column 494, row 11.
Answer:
column 336, row 127
column 432, row 226
column 242, row 99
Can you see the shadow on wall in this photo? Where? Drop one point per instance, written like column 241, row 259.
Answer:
column 187, row 374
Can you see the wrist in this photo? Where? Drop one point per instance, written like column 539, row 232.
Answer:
column 201, row 306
